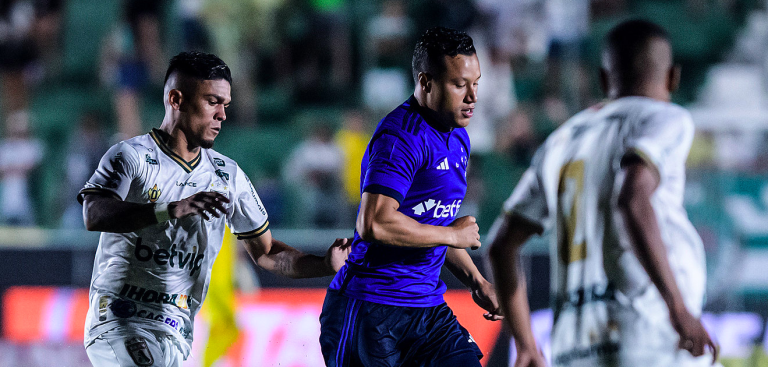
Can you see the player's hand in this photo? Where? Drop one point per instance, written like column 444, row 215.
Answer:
column 530, row 358
column 466, row 232
column 693, row 336
column 337, row 254
column 485, row 297
column 207, row 204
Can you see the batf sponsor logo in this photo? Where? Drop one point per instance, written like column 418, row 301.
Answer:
column 441, row 211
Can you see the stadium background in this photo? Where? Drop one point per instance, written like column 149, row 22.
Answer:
column 312, row 78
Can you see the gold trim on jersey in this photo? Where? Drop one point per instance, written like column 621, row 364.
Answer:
column 254, row 233
column 158, row 135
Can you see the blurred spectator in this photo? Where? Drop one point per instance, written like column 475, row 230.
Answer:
column 20, row 154
column 387, row 55
column 568, row 24
column 352, row 139
column 132, row 57
column 389, row 37
column 194, row 32
column 239, row 30
column 456, row 14
column 46, row 32
column 85, row 148
column 516, row 139
column 17, row 53
column 317, row 46
column 314, row 168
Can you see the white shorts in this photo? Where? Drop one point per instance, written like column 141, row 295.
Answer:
column 127, row 346
column 625, row 333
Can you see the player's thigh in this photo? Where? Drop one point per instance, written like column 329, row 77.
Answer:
column 338, row 330
column 128, row 346
column 450, row 344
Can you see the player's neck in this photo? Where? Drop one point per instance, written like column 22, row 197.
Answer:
column 179, row 143
column 659, row 94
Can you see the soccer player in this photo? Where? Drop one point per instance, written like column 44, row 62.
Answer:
column 385, row 307
column 162, row 201
column 628, row 266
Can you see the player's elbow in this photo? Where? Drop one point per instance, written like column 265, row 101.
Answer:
column 91, row 221
column 369, row 228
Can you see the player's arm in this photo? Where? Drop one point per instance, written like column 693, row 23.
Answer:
column 634, row 203
column 461, row 266
column 279, row 258
column 380, row 221
column 513, row 231
column 104, row 212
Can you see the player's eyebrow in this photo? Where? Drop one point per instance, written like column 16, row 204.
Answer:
column 216, row 96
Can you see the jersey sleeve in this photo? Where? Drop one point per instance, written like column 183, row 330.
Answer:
column 248, row 218
column 528, row 199
column 117, row 169
column 662, row 140
column 392, row 163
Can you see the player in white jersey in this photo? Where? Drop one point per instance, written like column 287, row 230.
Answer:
column 161, row 201
column 628, row 267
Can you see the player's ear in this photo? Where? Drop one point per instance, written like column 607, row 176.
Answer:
column 425, row 82
column 174, row 98
column 673, row 78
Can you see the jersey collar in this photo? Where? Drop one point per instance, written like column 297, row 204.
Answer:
column 161, row 137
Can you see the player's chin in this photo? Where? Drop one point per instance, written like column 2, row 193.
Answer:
column 206, row 144
column 461, row 120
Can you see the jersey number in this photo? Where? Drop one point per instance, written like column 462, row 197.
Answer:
column 570, row 189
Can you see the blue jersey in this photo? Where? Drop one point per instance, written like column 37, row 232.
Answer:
column 422, row 164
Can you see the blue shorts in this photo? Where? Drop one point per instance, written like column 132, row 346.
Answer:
column 359, row 333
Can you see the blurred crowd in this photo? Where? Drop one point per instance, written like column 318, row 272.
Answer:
column 348, row 59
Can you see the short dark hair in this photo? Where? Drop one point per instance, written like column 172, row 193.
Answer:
column 434, row 45
column 627, row 45
column 200, row 66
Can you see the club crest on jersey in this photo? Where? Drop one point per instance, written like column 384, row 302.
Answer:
column 151, row 160
column 153, row 193
column 222, row 174
column 219, row 162
column 139, row 352
column 123, row 308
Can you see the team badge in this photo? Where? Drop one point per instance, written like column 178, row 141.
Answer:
column 150, row 160
column 219, row 162
column 123, row 308
column 139, row 352
column 154, row 194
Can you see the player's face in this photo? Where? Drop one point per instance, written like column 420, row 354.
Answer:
column 205, row 112
column 456, row 89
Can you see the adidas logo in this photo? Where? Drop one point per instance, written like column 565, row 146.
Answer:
column 443, row 165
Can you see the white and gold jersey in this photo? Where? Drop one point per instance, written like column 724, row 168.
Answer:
column 158, row 277
column 603, row 296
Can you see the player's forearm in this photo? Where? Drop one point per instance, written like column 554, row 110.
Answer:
column 643, row 228
column 106, row 214
column 289, row 262
column 463, row 268
column 509, row 279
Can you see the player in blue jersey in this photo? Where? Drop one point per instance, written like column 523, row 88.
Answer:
column 385, row 307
